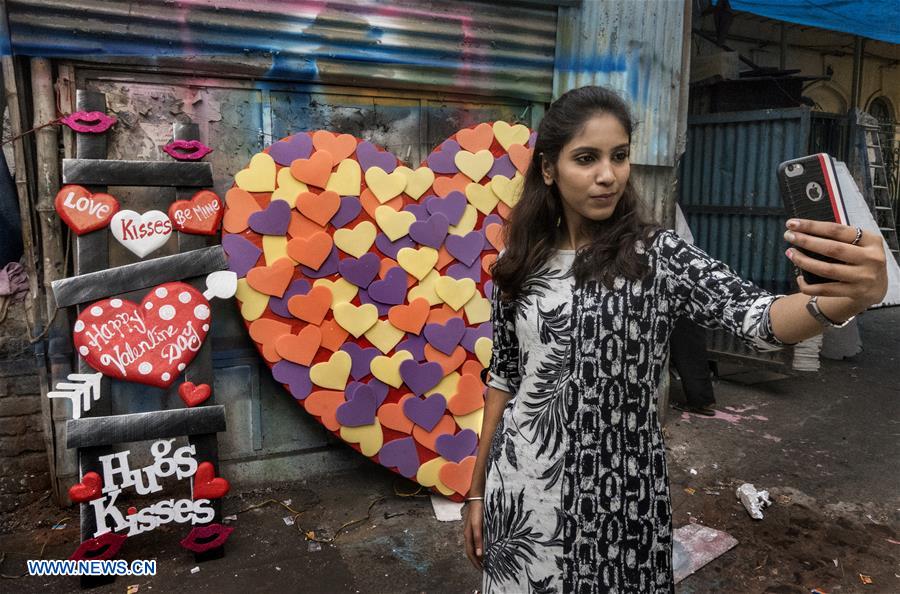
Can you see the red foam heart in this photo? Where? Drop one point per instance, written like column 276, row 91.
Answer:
column 200, row 215
column 148, row 343
column 193, row 395
column 89, row 488
column 207, row 485
column 82, row 211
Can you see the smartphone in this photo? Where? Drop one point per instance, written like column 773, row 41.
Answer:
column 810, row 190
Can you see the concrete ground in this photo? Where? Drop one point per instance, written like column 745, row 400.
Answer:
column 824, row 444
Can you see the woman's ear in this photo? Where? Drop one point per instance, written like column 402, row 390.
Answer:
column 546, row 171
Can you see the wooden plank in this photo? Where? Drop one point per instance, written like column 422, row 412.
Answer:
column 140, row 275
column 159, row 424
column 137, row 173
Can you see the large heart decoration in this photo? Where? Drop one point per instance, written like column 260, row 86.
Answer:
column 149, row 343
column 141, row 234
column 82, row 211
column 364, row 284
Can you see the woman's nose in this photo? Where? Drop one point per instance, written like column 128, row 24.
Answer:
column 604, row 173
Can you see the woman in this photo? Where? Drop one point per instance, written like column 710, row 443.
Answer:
column 571, row 492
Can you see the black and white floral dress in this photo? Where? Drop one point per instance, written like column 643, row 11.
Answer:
column 577, row 491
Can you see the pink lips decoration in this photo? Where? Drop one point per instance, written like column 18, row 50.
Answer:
column 92, row 122
column 187, row 150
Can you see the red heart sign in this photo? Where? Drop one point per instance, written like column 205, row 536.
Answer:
column 148, row 343
column 193, row 395
column 84, row 212
column 200, row 215
column 207, row 485
column 88, row 489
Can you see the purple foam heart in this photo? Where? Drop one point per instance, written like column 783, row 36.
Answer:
column 242, row 254
column 444, row 337
column 502, row 166
column 532, row 138
column 298, row 146
column 430, row 232
column 419, row 209
column 279, row 306
column 472, row 334
column 466, row 248
column 390, row 248
column 442, row 161
column 425, row 413
column 273, row 220
column 489, row 289
column 349, row 210
column 491, row 218
column 295, row 376
column 380, row 389
column 421, row 377
column 359, row 410
column 456, row 447
column 415, row 345
column 360, row 271
column 360, row 359
column 366, row 297
column 452, row 206
column 391, row 289
column 460, row 271
column 328, row 267
column 368, row 156
column 400, row 454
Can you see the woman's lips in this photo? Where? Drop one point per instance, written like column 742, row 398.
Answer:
column 104, row 546
column 204, row 538
column 91, row 122
column 187, row 150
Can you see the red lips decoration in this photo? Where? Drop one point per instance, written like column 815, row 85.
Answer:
column 84, row 212
column 200, row 215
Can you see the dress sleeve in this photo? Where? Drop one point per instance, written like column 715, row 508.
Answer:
column 504, row 367
column 709, row 292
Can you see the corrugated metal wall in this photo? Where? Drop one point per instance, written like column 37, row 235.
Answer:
column 460, row 47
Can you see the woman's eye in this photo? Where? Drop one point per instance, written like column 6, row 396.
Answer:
column 584, row 159
column 621, row 156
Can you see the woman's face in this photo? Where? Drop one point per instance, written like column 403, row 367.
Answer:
column 592, row 169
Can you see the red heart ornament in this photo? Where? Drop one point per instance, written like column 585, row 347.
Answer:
column 84, row 212
column 88, row 489
column 207, row 485
column 149, row 343
column 200, row 215
column 193, row 395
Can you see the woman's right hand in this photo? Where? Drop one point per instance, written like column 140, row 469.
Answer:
column 474, row 514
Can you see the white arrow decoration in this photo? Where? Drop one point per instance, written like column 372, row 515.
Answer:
column 81, row 394
column 221, row 284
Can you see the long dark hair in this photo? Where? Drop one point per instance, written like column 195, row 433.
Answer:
column 533, row 231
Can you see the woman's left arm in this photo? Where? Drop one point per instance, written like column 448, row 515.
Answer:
column 860, row 281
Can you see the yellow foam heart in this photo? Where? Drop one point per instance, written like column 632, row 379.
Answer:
column 369, row 437
column 387, row 369
column 385, row 185
column 481, row 197
column 455, row 293
column 332, row 374
column 288, row 187
column 474, row 165
column 355, row 320
column 259, row 176
column 345, row 181
column 483, row 348
column 472, row 421
column 427, row 475
column 508, row 135
column 275, row 248
column 395, row 224
column 253, row 303
column 508, row 190
column 417, row 182
column 446, row 386
column 425, row 289
column 466, row 222
column 478, row 309
column 384, row 335
column 417, row 262
column 356, row 241
column 342, row 290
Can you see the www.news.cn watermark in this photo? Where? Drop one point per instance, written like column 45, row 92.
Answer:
column 117, row 567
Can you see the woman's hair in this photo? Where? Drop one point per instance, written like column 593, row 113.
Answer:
column 534, row 230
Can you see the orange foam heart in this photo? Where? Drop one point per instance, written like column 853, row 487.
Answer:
column 324, row 404
column 448, row 363
column 446, row 426
column 458, row 476
column 272, row 280
column 487, row 261
column 442, row 314
column 472, row 367
column 240, row 205
column 266, row 332
column 520, row 157
column 311, row 307
column 469, row 395
column 300, row 226
column 311, row 251
column 410, row 318
column 504, row 210
column 494, row 235
column 339, row 146
column 370, row 202
column 391, row 416
column 319, row 208
column 314, row 171
column 333, row 336
column 444, row 185
column 475, row 139
column 444, row 258
column 300, row 348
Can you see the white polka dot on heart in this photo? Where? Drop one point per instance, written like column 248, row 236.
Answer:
column 165, row 377
column 201, row 312
column 206, row 327
column 167, row 312
column 79, row 326
column 117, row 303
column 145, row 368
column 184, row 297
column 181, row 366
column 96, row 311
column 148, row 305
column 161, row 292
column 84, row 351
